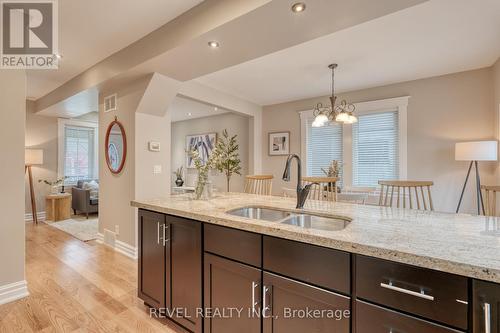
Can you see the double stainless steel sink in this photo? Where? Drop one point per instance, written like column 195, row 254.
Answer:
column 303, row 220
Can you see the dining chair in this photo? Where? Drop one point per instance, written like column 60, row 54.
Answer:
column 323, row 188
column 490, row 199
column 403, row 191
column 259, row 184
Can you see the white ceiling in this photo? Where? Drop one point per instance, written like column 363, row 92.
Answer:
column 91, row 30
column 430, row 39
column 184, row 109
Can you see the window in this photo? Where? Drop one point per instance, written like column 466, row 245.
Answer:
column 370, row 150
column 324, row 144
column 375, row 148
column 77, row 150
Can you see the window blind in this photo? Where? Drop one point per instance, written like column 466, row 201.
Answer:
column 375, row 148
column 323, row 145
column 78, row 153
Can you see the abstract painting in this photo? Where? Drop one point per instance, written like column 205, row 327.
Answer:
column 279, row 143
column 203, row 143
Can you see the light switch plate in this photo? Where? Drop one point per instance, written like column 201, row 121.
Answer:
column 154, row 146
column 157, row 169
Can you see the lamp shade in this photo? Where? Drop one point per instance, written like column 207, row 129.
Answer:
column 33, row 156
column 476, row 151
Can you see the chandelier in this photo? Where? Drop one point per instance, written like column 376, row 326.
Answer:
column 342, row 113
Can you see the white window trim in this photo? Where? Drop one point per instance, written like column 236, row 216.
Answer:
column 399, row 104
column 61, row 124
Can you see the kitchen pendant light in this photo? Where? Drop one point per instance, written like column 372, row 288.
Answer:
column 342, row 113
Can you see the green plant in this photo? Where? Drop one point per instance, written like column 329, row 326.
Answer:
column 333, row 169
column 56, row 182
column 229, row 162
column 178, row 173
column 203, row 169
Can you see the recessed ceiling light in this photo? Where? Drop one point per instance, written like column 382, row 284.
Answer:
column 213, row 44
column 298, row 7
column 189, row 114
column 216, row 108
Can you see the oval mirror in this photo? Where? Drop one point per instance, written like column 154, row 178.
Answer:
column 116, row 146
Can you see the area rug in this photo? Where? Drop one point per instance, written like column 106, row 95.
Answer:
column 84, row 230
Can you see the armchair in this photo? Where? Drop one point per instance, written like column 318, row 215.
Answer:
column 83, row 200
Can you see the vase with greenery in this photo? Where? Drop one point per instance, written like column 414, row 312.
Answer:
column 229, row 161
column 54, row 184
column 333, row 169
column 203, row 168
column 178, row 175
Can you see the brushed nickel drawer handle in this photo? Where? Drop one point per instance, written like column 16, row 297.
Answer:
column 487, row 318
column 165, row 239
column 265, row 304
column 406, row 291
column 254, row 302
column 158, row 232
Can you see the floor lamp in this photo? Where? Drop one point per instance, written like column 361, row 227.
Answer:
column 32, row 157
column 475, row 151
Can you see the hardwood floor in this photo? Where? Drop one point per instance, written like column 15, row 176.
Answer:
column 77, row 287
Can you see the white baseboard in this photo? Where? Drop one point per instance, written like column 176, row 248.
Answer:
column 28, row 217
column 13, row 291
column 119, row 246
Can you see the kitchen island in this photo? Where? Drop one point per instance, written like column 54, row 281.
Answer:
column 417, row 269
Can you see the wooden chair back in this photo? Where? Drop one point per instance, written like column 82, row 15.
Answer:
column 406, row 193
column 324, row 190
column 259, row 184
column 490, row 199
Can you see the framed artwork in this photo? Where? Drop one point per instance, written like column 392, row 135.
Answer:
column 279, row 143
column 203, row 143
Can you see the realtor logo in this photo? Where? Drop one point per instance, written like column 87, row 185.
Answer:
column 29, row 34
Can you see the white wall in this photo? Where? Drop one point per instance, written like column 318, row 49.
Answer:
column 234, row 123
column 41, row 132
column 12, row 242
column 441, row 111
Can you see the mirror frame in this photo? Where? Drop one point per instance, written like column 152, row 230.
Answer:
column 108, row 132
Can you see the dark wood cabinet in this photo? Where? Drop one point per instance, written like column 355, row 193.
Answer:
column 438, row 296
column 170, row 266
column 374, row 319
column 242, row 246
column 250, row 283
column 231, row 285
column 311, row 264
column 289, row 306
column 153, row 270
column 486, row 313
column 185, row 270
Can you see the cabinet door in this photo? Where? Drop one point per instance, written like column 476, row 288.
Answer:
column 293, row 307
column 152, row 253
column 486, row 307
column 186, row 270
column 231, row 285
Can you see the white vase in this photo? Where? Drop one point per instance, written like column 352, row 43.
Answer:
column 54, row 189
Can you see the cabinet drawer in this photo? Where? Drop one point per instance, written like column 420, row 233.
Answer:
column 308, row 263
column 486, row 304
column 431, row 294
column 235, row 244
column 294, row 307
column 374, row 319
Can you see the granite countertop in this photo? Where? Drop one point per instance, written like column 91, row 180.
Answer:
column 456, row 243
